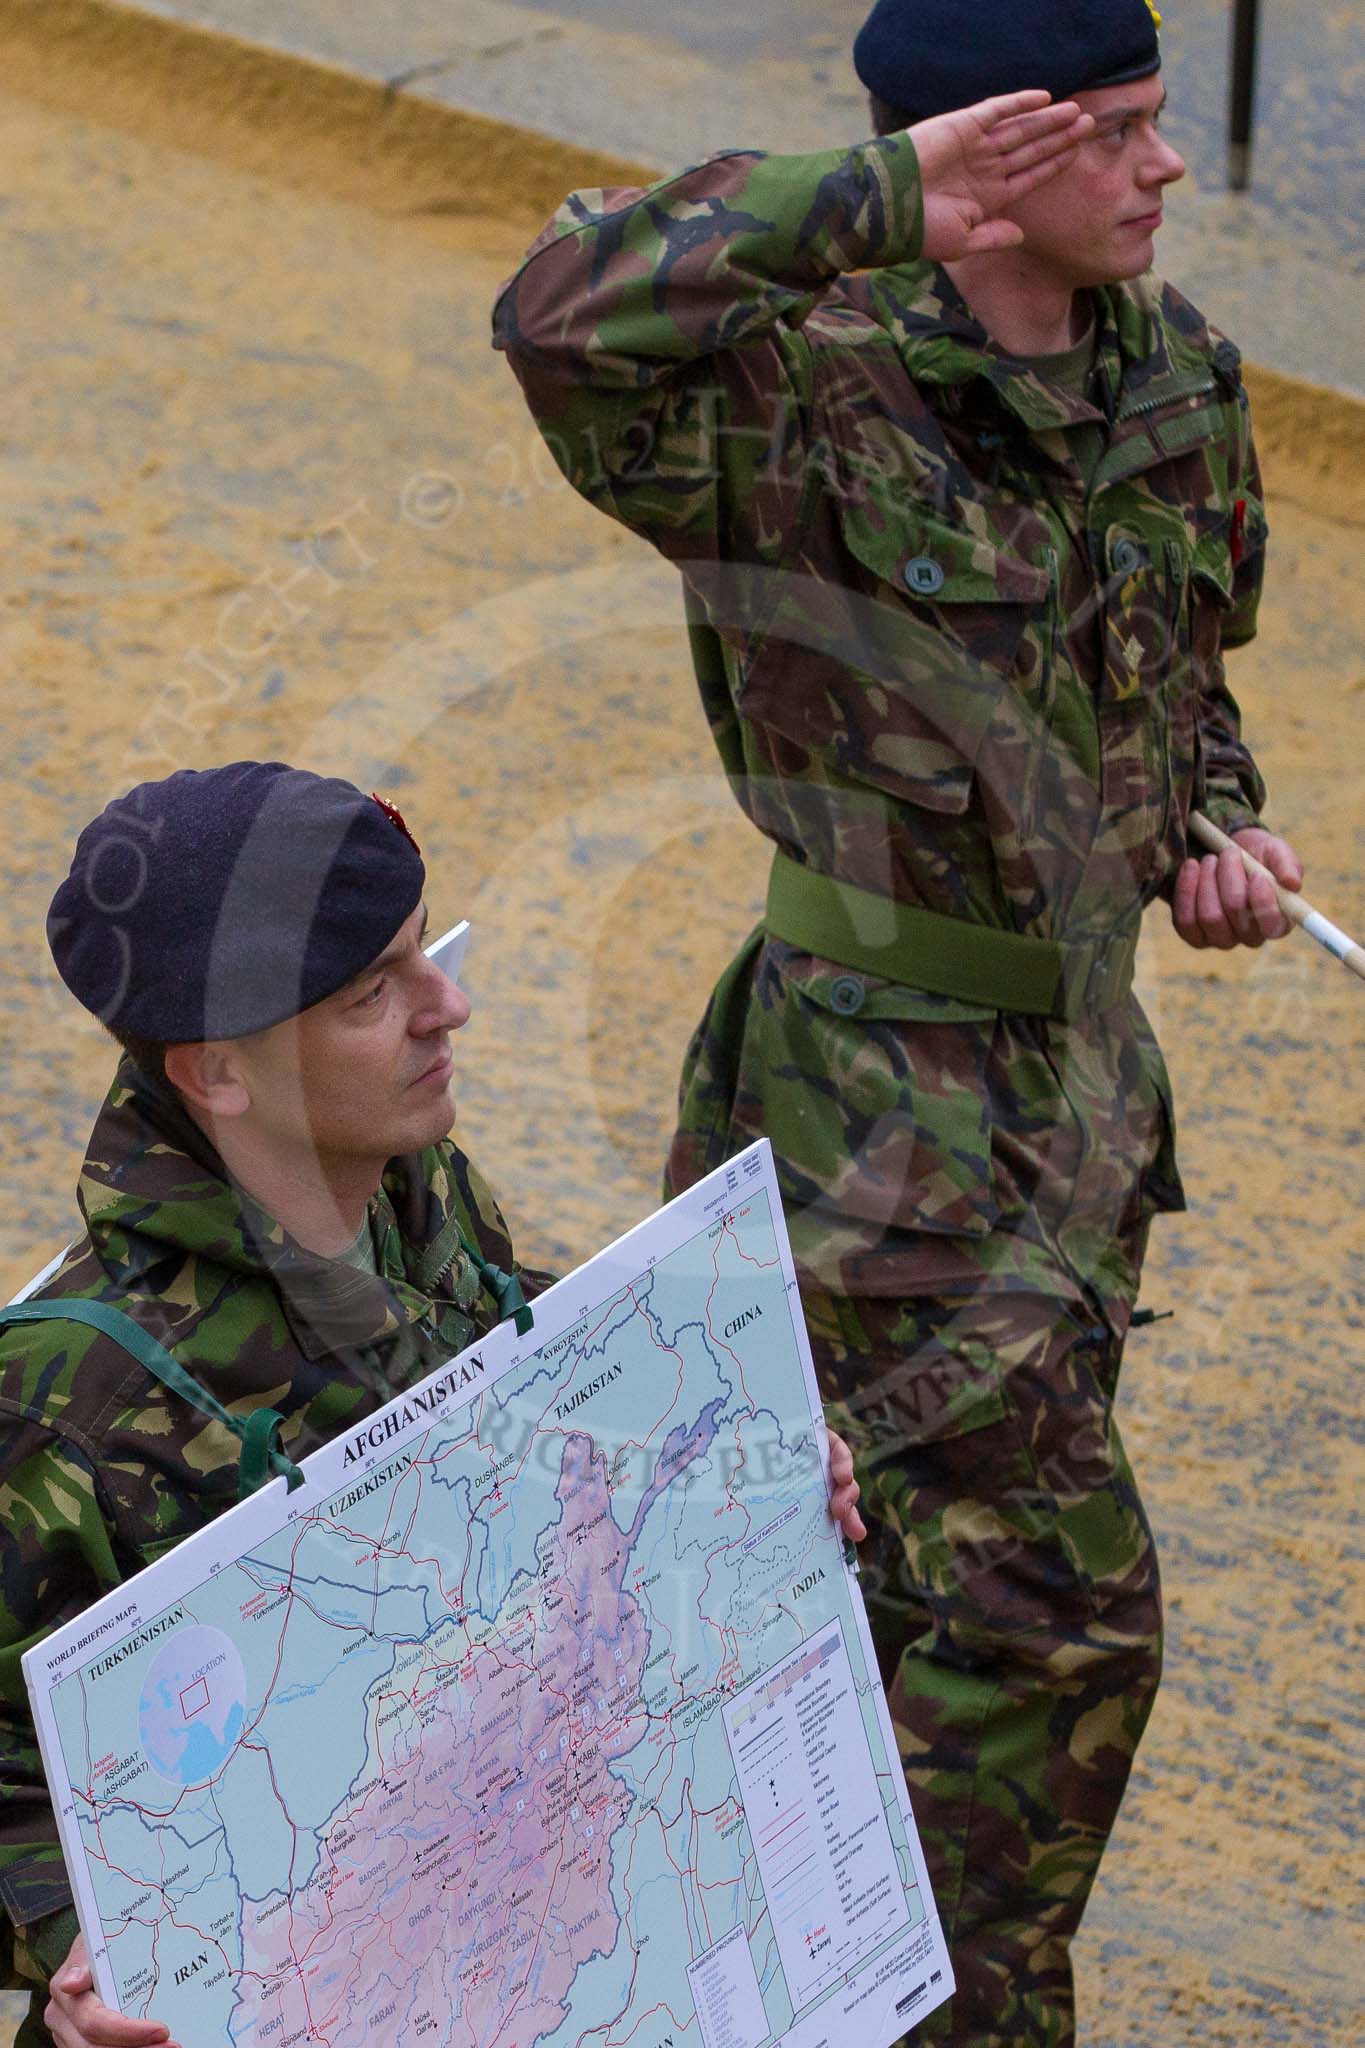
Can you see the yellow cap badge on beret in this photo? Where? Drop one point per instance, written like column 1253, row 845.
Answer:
column 1152, row 11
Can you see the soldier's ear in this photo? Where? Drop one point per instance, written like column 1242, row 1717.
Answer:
column 209, row 1078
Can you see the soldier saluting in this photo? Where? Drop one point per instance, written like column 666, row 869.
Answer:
column 967, row 511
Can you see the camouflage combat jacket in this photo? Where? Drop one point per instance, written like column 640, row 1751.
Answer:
column 940, row 662
column 102, row 1470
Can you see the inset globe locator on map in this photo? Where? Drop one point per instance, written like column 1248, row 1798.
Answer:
column 193, row 1706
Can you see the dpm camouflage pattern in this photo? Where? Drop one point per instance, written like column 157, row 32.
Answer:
column 959, row 637
column 1011, row 1582
column 937, row 662
column 102, row 1470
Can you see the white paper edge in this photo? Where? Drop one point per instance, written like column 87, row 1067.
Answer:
column 253, row 1520
column 448, row 951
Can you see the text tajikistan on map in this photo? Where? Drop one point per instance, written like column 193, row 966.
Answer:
column 544, row 1711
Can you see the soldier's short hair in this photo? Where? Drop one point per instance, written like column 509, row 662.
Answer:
column 887, row 120
column 147, row 1054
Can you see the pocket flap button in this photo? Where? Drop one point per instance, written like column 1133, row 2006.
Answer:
column 923, row 576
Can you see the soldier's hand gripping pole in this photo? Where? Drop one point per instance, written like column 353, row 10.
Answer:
column 1296, row 908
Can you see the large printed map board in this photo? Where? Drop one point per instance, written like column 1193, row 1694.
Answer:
column 543, row 1713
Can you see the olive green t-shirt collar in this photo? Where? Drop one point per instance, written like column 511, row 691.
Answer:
column 941, row 341
column 361, row 1254
column 1068, row 369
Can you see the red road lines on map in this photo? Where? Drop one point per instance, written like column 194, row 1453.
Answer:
column 522, row 1762
column 623, row 2040
column 376, row 1910
column 728, row 1226
column 727, row 1235
column 154, row 1924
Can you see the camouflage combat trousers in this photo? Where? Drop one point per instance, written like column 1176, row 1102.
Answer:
column 1012, row 1585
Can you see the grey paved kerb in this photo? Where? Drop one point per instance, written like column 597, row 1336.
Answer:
column 1280, row 269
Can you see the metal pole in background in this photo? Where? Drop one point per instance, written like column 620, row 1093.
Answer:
column 1242, row 110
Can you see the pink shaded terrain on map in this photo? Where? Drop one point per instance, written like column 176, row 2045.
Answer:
column 462, row 1886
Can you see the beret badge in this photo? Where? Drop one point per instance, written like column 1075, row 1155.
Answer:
column 395, row 817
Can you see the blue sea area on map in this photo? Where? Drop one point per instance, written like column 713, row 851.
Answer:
column 473, row 1701
column 190, row 1707
column 204, row 1750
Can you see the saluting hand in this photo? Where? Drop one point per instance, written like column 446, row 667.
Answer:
column 976, row 162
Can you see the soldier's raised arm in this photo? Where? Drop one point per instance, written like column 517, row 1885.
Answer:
column 657, row 334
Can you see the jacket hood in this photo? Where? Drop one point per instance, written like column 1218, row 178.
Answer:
column 153, row 1187
column 155, row 1196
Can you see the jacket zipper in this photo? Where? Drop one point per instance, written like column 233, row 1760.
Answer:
column 1145, row 405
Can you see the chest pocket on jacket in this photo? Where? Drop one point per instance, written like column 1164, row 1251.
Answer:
column 1217, row 601
column 1207, row 604
column 1217, row 613
column 887, row 648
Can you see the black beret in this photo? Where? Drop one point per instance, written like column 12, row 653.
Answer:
column 928, row 57
column 223, row 900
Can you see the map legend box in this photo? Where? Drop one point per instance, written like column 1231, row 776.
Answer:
column 554, row 1801
column 726, row 1995
column 814, row 1807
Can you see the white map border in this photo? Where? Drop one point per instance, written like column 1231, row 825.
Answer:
column 154, row 1592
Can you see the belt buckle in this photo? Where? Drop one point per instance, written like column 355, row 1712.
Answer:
column 1110, row 974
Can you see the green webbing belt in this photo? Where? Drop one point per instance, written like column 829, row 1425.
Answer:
column 258, row 1432
column 947, row 956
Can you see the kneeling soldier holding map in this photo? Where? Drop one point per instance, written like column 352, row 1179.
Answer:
column 279, row 1235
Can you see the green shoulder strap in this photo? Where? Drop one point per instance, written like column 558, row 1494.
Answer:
column 258, row 1433
column 505, row 1288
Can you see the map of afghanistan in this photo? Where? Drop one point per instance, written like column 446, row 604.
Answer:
column 543, row 1713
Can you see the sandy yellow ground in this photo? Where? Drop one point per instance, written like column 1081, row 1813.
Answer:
column 264, row 491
